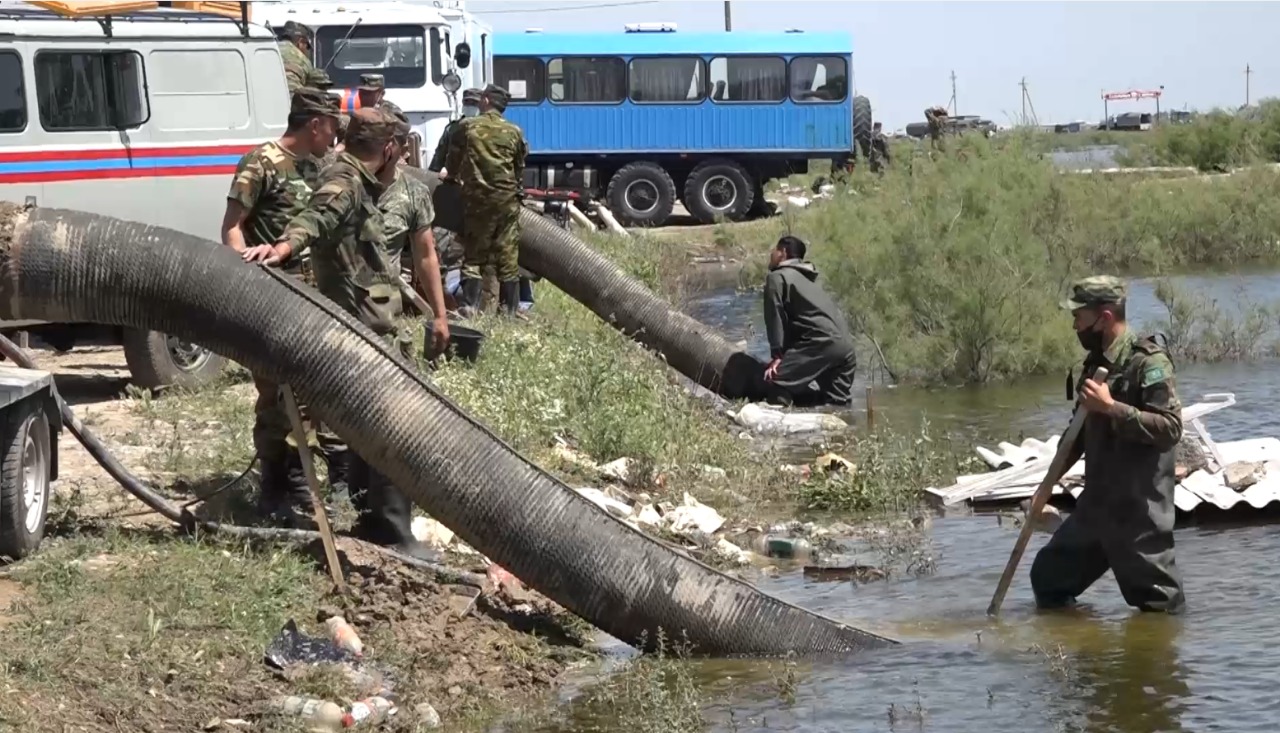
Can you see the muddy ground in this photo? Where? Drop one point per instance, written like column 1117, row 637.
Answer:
column 119, row 624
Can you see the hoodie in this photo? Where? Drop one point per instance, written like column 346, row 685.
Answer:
column 798, row 313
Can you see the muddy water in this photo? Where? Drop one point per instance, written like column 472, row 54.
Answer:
column 1101, row 667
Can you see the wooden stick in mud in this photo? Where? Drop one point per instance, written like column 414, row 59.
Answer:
column 1038, row 499
column 309, row 469
column 418, row 301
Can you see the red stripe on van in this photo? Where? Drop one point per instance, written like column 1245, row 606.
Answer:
column 168, row 172
column 32, row 156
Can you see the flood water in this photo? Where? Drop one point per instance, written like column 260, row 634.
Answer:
column 1100, row 667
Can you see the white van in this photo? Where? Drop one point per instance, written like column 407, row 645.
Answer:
column 425, row 52
column 141, row 115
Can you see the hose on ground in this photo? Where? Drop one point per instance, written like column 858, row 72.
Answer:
column 67, row 266
column 182, row 516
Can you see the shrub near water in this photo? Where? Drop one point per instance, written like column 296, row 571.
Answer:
column 956, row 266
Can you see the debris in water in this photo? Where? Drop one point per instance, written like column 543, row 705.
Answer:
column 1243, row 474
column 843, row 573
column 831, row 463
column 763, row 419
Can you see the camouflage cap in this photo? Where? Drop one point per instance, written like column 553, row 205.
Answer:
column 312, row 102
column 1097, row 290
column 318, row 79
column 371, row 127
column 401, row 120
column 472, row 95
column 497, row 96
column 372, row 82
column 294, row 29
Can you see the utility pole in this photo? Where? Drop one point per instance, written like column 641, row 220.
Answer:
column 1026, row 102
column 728, row 17
column 1248, row 71
column 955, row 110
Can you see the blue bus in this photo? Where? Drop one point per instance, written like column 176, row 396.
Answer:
column 650, row 117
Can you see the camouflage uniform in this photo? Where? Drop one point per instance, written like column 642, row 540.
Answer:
column 936, row 117
column 470, row 98
column 274, row 185
column 297, row 67
column 345, row 232
column 406, row 212
column 879, row 151
column 1123, row 519
column 488, row 157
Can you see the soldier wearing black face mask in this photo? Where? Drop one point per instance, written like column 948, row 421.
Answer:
column 1123, row 519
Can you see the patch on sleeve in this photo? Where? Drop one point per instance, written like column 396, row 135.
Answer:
column 1154, row 374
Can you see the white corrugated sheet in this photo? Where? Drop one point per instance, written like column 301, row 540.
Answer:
column 1021, row 468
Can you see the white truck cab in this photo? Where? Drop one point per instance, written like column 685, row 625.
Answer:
column 139, row 112
column 426, row 52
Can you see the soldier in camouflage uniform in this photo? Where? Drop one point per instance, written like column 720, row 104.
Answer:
column 471, row 102
column 937, row 118
column 879, row 149
column 344, row 231
column 488, row 157
column 295, row 50
column 407, row 215
column 272, row 184
column 1123, row 519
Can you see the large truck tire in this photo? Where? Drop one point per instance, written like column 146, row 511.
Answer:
column 156, row 360
column 862, row 125
column 24, row 477
column 641, row 195
column 719, row 188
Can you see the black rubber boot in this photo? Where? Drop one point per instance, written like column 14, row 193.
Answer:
column 338, row 462
column 385, row 513
column 469, row 304
column 510, row 297
column 285, row 499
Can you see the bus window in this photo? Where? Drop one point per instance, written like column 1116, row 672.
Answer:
column 587, row 80
column 748, row 79
column 398, row 52
column 90, row 90
column 669, row 79
column 524, row 78
column 818, row 79
column 13, row 103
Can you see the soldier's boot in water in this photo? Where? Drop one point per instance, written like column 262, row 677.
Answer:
column 469, row 306
column 385, row 512
column 284, row 497
column 510, row 298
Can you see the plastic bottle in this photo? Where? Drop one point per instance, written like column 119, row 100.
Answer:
column 344, row 636
column 786, row 548
column 324, row 715
column 370, row 711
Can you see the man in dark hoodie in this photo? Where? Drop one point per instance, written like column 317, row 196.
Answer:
column 813, row 361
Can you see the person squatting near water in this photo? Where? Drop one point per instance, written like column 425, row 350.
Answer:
column 811, row 348
column 345, row 233
column 272, row 184
column 486, row 158
column 1123, row 520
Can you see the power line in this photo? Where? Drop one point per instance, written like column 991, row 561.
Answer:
column 560, row 8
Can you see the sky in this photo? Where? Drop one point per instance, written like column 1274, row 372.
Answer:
column 905, row 52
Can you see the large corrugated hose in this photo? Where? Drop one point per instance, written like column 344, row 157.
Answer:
column 692, row 348
column 59, row 265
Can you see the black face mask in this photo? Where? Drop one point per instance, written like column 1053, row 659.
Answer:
column 1090, row 339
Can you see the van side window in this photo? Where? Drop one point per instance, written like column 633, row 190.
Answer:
column 91, row 90
column 13, row 103
column 818, row 79
column 748, row 79
column 587, row 79
column 198, row 89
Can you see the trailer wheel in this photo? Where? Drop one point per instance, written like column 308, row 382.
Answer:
column 641, row 194
column 719, row 189
column 156, row 360
column 862, row 125
column 24, row 478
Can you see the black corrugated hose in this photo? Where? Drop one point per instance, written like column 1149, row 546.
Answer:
column 60, row 266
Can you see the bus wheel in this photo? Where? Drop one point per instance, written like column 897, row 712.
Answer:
column 156, row 360
column 641, row 194
column 719, row 189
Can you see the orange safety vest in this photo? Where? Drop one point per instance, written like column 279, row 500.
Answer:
column 350, row 101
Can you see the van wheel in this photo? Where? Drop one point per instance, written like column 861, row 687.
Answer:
column 862, row 125
column 641, row 195
column 156, row 360
column 24, row 478
column 719, row 189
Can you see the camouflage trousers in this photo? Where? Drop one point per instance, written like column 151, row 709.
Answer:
column 273, row 437
column 493, row 239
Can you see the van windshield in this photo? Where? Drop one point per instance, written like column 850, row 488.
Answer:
column 398, row 52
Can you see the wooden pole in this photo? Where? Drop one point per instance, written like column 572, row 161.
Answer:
column 871, row 411
column 1038, row 499
column 309, row 469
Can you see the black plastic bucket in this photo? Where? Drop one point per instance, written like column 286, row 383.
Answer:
column 464, row 343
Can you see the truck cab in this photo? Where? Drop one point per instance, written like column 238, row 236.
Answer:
column 426, row 53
